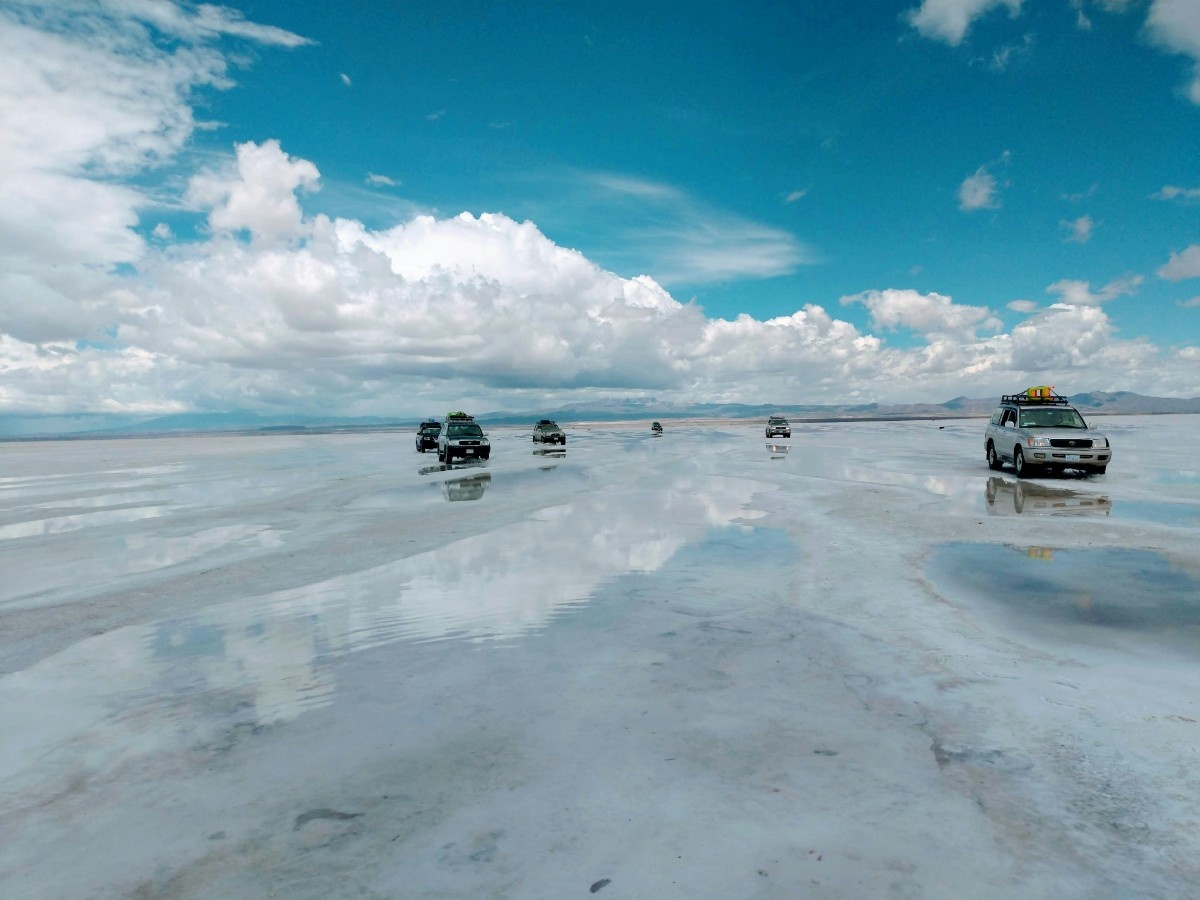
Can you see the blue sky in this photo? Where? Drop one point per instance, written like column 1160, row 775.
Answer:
column 395, row 207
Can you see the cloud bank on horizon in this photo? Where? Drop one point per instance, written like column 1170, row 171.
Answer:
column 143, row 273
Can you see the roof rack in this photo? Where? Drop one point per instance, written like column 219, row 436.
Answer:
column 458, row 415
column 1043, row 395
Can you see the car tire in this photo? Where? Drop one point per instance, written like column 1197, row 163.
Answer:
column 995, row 463
column 1099, row 470
column 441, row 455
column 1024, row 469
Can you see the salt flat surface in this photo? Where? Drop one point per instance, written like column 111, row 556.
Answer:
column 853, row 664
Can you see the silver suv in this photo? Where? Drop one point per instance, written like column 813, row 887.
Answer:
column 777, row 426
column 1045, row 432
column 461, row 437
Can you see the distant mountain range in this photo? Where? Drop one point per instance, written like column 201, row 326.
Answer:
column 27, row 427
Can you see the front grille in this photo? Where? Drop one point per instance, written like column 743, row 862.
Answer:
column 1071, row 443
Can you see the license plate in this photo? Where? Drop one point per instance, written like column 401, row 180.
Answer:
column 1072, row 457
column 470, row 452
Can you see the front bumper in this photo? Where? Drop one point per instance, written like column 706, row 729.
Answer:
column 1069, row 459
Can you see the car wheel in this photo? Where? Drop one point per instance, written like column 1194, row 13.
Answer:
column 1099, row 470
column 1024, row 469
column 994, row 461
column 441, row 454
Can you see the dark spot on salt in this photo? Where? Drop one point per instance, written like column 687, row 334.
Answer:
column 599, row 884
column 322, row 813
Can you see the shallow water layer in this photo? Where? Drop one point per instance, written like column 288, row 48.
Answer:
column 1105, row 597
column 688, row 666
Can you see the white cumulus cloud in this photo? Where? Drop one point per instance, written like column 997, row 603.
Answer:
column 1175, row 26
column 929, row 314
column 1079, row 293
column 259, row 195
column 1079, row 231
column 1185, row 264
column 978, row 191
column 949, row 20
column 1060, row 338
column 1183, row 195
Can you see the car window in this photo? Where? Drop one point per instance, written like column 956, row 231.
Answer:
column 464, row 431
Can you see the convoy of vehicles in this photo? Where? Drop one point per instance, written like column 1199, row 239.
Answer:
column 1035, row 431
column 460, row 436
column 1040, row 431
column 548, row 432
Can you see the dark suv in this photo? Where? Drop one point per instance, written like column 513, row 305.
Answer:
column 427, row 433
column 1042, row 431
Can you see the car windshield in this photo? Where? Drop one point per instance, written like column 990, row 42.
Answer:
column 468, row 430
column 779, row 421
column 1051, row 418
column 430, row 429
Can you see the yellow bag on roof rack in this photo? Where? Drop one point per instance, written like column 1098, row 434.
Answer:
column 1042, row 391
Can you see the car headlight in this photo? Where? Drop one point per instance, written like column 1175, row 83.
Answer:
column 1102, row 442
column 1037, row 442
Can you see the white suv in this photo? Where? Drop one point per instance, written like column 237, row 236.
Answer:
column 777, row 426
column 1037, row 433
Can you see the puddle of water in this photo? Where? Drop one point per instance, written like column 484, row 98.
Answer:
column 1163, row 513
column 1099, row 597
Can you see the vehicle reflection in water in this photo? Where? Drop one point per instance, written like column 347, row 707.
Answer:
column 470, row 488
column 451, row 467
column 1004, row 498
column 778, row 451
column 556, row 452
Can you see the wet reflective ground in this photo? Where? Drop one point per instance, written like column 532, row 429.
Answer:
column 695, row 664
column 1111, row 597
